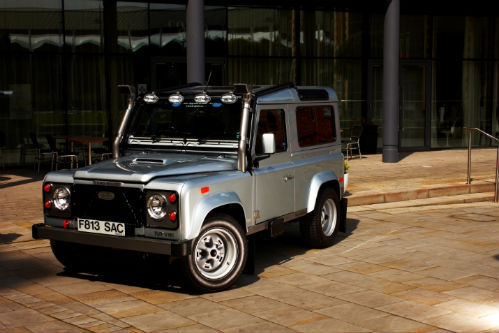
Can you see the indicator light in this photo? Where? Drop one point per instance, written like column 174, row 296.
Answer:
column 172, row 216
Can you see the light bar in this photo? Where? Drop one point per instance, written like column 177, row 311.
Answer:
column 176, row 98
column 151, row 98
column 202, row 98
column 228, row 98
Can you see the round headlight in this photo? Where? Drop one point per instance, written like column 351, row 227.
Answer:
column 61, row 198
column 156, row 206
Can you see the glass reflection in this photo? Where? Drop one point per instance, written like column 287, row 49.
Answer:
column 167, row 24
column 30, row 25
column 262, row 32
column 132, row 26
column 84, row 25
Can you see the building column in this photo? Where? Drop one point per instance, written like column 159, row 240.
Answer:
column 195, row 41
column 391, row 82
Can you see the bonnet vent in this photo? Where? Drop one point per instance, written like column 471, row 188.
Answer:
column 148, row 161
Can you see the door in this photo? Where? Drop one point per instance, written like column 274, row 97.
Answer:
column 414, row 103
column 274, row 177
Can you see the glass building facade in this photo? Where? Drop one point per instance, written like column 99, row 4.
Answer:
column 61, row 62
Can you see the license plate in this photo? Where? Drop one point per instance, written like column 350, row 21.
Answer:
column 101, row 227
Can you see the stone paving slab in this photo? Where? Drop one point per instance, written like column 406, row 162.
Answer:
column 395, row 270
column 427, row 264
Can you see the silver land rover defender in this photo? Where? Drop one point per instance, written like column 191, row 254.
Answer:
column 198, row 169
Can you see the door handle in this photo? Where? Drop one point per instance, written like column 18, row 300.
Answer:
column 288, row 177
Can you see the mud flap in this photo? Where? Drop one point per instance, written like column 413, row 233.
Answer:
column 250, row 261
column 343, row 217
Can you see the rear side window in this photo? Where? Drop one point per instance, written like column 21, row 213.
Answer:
column 315, row 125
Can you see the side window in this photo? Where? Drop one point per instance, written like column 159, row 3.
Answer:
column 315, row 125
column 272, row 121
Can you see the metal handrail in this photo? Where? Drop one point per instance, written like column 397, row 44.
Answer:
column 470, row 138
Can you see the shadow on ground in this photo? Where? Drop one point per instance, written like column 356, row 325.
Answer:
column 8, row 238
column 162, row 273
column 28, row 176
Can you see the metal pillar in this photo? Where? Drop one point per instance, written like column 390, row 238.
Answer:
column 391, row 82
column 195, row 41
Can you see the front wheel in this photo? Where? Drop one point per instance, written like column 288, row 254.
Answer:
column 320, row 227
column 218, row 255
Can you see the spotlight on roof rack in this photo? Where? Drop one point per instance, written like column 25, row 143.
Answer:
column 202, row 98
column 151, row 98
column 228, row 98
column 176, row 99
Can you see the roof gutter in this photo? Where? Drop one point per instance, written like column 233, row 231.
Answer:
column 124, row 122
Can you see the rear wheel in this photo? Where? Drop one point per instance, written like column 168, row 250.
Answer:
column 320, row 227
column 218, row 255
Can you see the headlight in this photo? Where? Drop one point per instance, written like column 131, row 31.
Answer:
column 156, row 206
column 161, row 209
column 57, row 199
column 61, row 197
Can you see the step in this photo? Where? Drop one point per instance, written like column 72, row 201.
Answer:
column 435, row 201
column 376, row 197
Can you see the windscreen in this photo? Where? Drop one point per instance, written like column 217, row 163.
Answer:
column 187, row 121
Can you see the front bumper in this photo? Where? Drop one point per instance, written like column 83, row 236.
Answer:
column 139, row 244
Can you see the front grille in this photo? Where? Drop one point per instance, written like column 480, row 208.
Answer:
column 127, row 204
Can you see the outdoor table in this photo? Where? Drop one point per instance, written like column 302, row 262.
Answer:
column 88, row 140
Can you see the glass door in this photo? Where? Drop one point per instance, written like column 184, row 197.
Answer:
column 414, row 107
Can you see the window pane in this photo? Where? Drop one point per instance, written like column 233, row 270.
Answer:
column 413, row 37
column 260, row 70
column 86, row 96
column 262, row 32
column 315, row 125
column 216, row 35
column 84, row 25
column 272, row 121
column 331, row 34
column 132, row 26
column 28, row 26
column 168, row 29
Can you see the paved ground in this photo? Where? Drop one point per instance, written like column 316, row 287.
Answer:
column 397, row 269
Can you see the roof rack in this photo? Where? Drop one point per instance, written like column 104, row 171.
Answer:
column 273, row 89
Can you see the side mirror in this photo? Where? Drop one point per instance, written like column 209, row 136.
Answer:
column 268, row 143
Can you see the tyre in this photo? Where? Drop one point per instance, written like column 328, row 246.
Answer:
column 218, row 255
column 320, row 227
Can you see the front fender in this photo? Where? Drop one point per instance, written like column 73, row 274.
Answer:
column 315, row 185
column 205, row 206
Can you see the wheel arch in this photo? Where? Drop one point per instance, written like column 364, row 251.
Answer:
column 218, row 203
column 318, row 183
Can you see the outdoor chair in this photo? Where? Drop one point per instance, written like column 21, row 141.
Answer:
column 71, row 156
column 353, row 143
column 41, row 153
column 102, row 152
